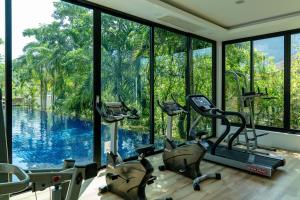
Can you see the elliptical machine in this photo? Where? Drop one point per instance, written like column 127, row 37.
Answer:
column 126, row 179
column 184, row 158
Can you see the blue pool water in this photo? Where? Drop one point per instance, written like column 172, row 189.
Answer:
column 44, row 140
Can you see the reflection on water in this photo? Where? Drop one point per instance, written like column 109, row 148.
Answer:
column 43, row 140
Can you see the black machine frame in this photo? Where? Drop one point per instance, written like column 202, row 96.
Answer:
column 97, row 10
column 287, row 74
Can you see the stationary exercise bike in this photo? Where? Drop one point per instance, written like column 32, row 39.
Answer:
column 65, row 182
column 183, row 158
column 126, row 179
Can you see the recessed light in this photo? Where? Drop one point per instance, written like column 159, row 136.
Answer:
column 240, row 1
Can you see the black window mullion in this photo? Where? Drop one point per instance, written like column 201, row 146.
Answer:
column 188, row 78
column 287, row 80
column 223, row 106
column 251, row 66
column 97, row 85
column 8, row 76
column 214, row 84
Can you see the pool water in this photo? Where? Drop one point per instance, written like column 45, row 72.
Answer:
column 44, row 139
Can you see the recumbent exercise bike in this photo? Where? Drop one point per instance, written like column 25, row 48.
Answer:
column 125, row 179
column 184, row 158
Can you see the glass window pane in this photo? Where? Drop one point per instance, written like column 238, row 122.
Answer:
column 295, row 81
column 52, row 83
column 202, row 77
column 125, row 73
column 2, row 49
column 237, row 60
column 170, row 63
column 3, row 157
column 269, row 74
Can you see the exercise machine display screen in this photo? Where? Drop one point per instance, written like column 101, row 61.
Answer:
column 202, row 103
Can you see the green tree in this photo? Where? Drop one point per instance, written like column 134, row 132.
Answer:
column 1, row 67
column 125, row 66
column 59, row 61
column 169, row 78
column 201, row 80
column 295, row 90
column 267, row 74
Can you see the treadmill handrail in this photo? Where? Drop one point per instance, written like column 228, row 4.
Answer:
column 214, row 112
column 240, row 129
column 222, row 136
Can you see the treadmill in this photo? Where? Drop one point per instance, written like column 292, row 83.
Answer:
column 253, row 162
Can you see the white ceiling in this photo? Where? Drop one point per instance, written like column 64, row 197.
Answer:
column 229, row 14
column 216, row 19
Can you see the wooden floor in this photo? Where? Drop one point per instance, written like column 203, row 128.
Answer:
column 235, row 184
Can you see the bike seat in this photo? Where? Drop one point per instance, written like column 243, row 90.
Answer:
column 145, row 149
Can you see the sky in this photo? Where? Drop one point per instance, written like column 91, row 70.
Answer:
column 273, row 47
column 25, row 14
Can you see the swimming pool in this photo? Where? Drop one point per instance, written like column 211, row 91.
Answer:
column 44, row 139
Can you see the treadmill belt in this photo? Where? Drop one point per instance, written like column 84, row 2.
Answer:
column 242, row 156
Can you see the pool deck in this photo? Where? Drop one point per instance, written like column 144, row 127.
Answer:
column 235, row 184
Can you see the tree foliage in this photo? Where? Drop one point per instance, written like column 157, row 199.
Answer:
column 59, row 63
column 1, row 66
column 267, row 74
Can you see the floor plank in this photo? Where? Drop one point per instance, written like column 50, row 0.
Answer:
column 235, row 184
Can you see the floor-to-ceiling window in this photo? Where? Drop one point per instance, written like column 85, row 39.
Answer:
column 201, row 80
column 125, row 73
column 271, row 63
column 169, row 79
column 52, row 83
column 295, row 81
column 237, row 73
column 269, row 76
column 52, row 80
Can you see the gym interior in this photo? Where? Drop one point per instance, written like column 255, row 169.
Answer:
column 149, row 99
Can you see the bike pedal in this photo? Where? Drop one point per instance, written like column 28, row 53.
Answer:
column 162, row 168
column 151, row 180
column 182, row 170
column 103, row 190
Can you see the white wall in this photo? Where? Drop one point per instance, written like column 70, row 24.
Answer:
column 273, row 139
column 219, row 82
column 278, row 140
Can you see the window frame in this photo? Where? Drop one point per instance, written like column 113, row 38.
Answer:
column 287, row 74
column 97, row 11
